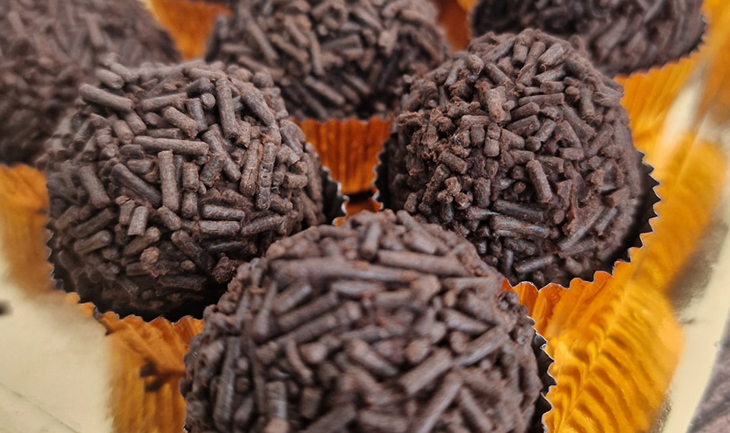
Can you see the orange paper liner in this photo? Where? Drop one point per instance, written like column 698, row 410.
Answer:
column 188, row 22
column 23, row 206
column 467, row 5
column 148, row 367
column 454, row 19
column 349, row 148
column 616, row 345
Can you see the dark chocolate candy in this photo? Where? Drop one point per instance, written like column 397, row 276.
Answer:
column 163, row 186
column 332, row 59
column 522, row 147
column 380, row 325
column 621, row 36
column 48, row 48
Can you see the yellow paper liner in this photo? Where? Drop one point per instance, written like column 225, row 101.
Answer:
column 616, row 345
column 649, row 96
column 188, row 22
column 348, row 148
column 616, row 342
column 716, row 92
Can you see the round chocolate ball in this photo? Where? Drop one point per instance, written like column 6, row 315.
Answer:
column 333, row 59
column 382, row 324
column 48, row 48
column 522, row 147
column 168, row 178
column 620, row 37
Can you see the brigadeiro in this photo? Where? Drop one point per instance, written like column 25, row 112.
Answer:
column 333, row 59
column 383, row 324
column 620, row 36
column 48, row 48
column 169, row 177
column 522, row 147
column 342, row 62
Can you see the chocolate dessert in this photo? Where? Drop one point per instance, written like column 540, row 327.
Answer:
column 621, row 37
column 48, row 48
column 380, row 325
column 522, row 147
column 332, row 59
column 169, row 177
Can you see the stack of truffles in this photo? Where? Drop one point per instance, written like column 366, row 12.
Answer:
column 178, row 188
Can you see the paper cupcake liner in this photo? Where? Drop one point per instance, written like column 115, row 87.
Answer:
column 148, row 366
column 333, row 207
column 348, row 148
column 467, row 5
column 716, row 54
column 453, row 18
column 542, row 405
column 649, row 96
column 188, row 22
column 633, row 240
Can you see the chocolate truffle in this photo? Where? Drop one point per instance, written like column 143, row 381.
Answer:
column 382, row 324
column 336, row 58
column 522, row 147
column 621, row 36
column 48, row 48
column 169, row 177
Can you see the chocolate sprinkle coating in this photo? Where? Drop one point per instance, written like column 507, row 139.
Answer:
column 382, row 324
column 49, row 47
column 160, row 187
column 334, row 58
column 620, row 36
column 522, row 147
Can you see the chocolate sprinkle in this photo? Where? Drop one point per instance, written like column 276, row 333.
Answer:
column 375, row 346
column 149, row 225
column 620, row 36
column 545, row 185
column 334, row 58
column 49, row 47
